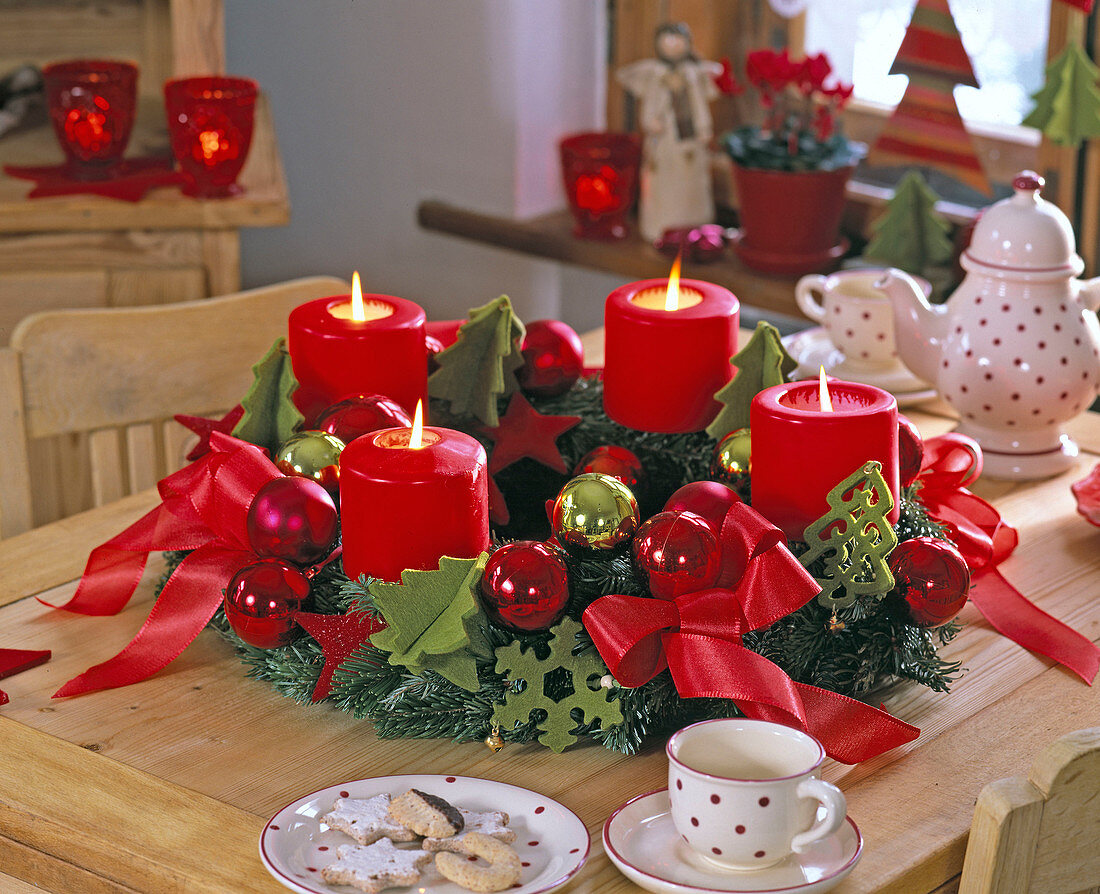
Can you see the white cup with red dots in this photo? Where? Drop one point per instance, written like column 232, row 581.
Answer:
column 745, row 794
column 858, row 317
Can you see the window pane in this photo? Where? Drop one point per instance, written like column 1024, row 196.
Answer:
column 1006, row 41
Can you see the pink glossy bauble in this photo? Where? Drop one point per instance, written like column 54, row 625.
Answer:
column 931, row 578
column 293, row 519
column 553, row 358
column 676, row 553
column 359, row 415
column 525, row 586
column 262, row 600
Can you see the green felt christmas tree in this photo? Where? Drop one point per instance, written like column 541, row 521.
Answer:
column 434, row 620
column 480, row 366
column 270, row 416
column 911, row 234
column 1067, row 106
column 761, row 363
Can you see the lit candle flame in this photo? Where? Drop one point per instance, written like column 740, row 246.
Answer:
column 358, row 311
column 672, row 296
column 416, row 436
column 823, row 393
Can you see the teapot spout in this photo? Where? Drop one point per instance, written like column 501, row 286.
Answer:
column 919, row 327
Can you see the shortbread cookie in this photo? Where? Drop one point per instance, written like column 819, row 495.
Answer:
column 366, row 820
column 375, row 867
column 494, row 824
column 426, row 814
column 502, row 872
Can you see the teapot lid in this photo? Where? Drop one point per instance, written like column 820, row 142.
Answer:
column 1024, row 233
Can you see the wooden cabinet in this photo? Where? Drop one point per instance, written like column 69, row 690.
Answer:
column 86, row 251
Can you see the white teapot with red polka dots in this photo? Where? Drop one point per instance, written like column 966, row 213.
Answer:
column 1016, row 349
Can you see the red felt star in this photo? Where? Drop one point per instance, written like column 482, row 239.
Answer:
column 130, row 179
column 338, row 636
column 204, row 427
column 12, row 661
column 524, row 431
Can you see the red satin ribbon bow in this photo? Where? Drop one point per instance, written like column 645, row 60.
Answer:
column 698, row 637
column 204, row 509
column 951, row 462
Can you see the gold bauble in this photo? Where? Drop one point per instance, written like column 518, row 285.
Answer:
column 595, row 512
column 494, row 741
column 732, row 460
column 314, row 455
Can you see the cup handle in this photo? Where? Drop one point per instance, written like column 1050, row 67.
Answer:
column 836, row 808
column 806, row 298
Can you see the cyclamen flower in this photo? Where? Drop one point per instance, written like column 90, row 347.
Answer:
column 726, row 82
column 812, row 73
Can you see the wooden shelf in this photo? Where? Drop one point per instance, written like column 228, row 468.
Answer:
column 551, row 236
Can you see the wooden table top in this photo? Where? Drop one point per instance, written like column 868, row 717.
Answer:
column 165, row 785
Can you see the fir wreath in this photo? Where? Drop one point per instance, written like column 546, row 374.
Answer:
column 873, row 644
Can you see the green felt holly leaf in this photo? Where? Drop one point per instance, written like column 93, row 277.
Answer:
column 853, row 539
column 1067, row 106
column 481, row 365
column 270, row 416
column 434, row 620
column 912, row 234
column 761, row 363
column 557, row 685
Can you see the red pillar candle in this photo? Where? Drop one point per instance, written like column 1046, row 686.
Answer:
column 335, row 355
column 800, row 452
column 404, row 507
column 662, row 367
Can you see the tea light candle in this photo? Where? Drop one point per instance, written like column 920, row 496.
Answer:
column 668, row 345
column 355, row 344
column 801, row 451
column 409, row 496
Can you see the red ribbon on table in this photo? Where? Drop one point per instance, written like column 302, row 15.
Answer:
column 698, row 637
column 204, row 509
column 951, row 462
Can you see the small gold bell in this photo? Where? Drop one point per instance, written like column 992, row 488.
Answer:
column 835, row 624
column 494, row 740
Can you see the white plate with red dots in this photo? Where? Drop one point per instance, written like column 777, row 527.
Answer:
column 640, row 839
column 551, row 840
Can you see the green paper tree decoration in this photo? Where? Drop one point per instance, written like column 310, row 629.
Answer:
column 434, row 620
column 557, row 685
column 480, row 366
column 911, row 234
column 1067, row 106
column 270, row 416
column 761, row 363
column 853, row 539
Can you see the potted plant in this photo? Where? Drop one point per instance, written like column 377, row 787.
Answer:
column 791, row 169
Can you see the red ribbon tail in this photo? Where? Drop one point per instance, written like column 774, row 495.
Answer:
column 187, row 602
column 1011, row 614
column 3, row 697
column 850, row 730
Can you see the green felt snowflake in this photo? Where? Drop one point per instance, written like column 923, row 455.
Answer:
column 556, row 685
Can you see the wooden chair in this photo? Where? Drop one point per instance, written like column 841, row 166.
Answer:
column 87, row 396
column 1040, row 835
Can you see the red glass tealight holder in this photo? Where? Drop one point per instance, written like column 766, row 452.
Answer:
column 600, row 172
column 210, row 121
column 91, row 104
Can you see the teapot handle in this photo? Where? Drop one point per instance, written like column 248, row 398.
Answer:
column 1088, row 292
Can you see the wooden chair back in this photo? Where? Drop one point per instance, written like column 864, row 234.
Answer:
column 1040, row 835
column 87, row 396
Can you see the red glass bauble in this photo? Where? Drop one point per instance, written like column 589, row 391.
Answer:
column 910, row 451
column 676, row 553
column 292, row 519
column 262, row 600
column 709, row 499
column 553, row 357
column 932, row 579
column 355, row 416
column 433, row 346
column 525, row 586
column 618, row 462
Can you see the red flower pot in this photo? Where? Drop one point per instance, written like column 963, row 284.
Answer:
column 790, row 220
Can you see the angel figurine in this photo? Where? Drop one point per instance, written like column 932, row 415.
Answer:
column 674, row 93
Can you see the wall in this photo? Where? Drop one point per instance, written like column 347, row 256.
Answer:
column 379, row 104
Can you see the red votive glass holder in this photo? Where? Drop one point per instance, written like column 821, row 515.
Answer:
column 600, row 172
column 210, row 121
column 91, row 104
